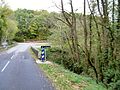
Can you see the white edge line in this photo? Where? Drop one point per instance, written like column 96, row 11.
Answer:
column 5, row 66
column 12, row 57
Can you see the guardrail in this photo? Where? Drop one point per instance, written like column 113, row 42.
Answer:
column 37, row 52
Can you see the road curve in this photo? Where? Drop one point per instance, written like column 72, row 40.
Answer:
column 18, row 71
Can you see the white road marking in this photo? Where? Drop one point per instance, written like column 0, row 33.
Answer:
column 12, row 56
column 5, row 66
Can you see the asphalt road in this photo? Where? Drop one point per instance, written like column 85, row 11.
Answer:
column 18, row 71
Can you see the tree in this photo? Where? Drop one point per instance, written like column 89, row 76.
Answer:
column 71, row 23
column 12, row 29
column 5, row 25
column 118, row 19
column 33, row 24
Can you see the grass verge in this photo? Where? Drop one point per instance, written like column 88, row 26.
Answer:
column 66, row 80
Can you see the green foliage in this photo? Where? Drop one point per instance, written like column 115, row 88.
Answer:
column 11, row 29
column 8, row 26
column 33, row 24
column 56, row 53
column 18, row 39
column 23, row 17
column 62, row 57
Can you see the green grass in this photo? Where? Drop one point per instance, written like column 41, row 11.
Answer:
column 65, row 80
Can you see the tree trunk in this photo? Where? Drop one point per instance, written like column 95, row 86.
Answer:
column 71, row 23
column 118, row 14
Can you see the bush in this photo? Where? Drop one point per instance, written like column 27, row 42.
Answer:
column 62, row 57
column 117, row 85
column 18, row 39
column 54, row 54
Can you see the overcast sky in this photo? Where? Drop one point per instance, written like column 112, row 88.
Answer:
column 42, row 4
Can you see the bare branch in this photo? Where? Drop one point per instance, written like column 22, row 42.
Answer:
column 64, row 14
column 80, row 19
column 57, row 6
column 62, row 21
column 98, row 4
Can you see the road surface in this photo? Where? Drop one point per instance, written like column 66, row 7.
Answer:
column 19, row 72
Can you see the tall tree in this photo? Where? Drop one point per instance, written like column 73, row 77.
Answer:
column 70, row 21
column 5, row 27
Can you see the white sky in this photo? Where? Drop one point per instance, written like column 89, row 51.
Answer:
column 42, row 4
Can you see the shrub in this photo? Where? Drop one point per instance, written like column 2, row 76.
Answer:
column 62, row 57
column 18, row 39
